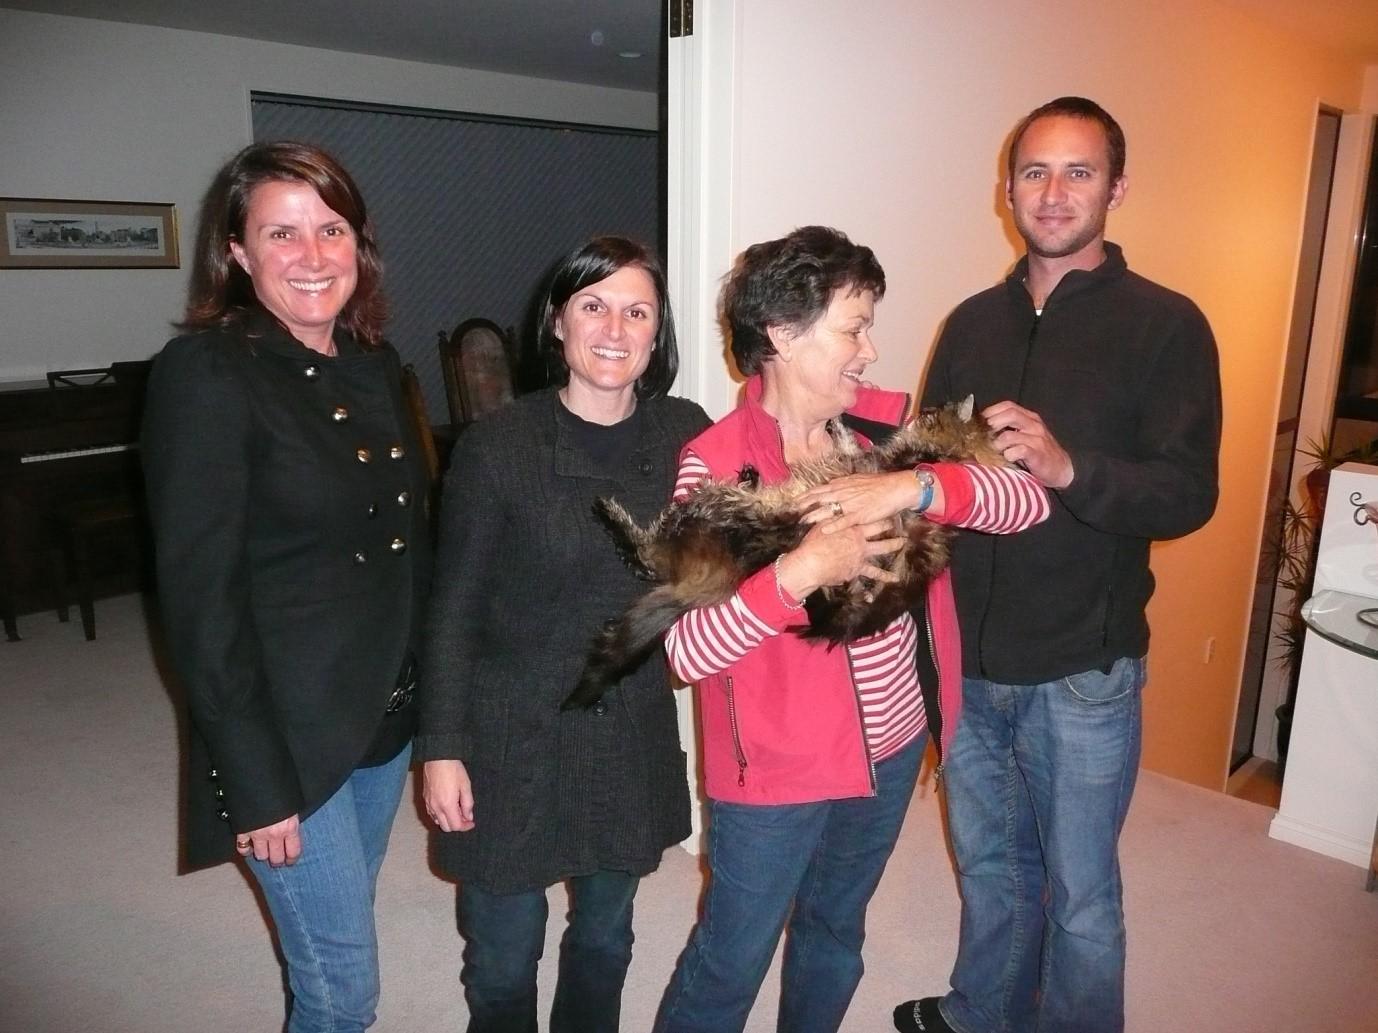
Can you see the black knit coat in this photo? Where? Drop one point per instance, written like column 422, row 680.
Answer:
column 525, row 577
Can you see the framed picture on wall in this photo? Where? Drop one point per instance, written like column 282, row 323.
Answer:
column 53, row 234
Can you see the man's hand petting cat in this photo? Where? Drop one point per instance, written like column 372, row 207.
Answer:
column 1024, row 439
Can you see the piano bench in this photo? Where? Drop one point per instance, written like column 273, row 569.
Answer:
column 81, row 525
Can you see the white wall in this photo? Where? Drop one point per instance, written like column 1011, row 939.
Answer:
column 888, row 120
column 109, row 111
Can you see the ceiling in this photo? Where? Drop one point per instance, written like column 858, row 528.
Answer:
column 570, row 40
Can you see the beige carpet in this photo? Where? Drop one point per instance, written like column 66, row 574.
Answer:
column 1230, row 932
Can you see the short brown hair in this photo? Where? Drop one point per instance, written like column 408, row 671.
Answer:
column 790, row 282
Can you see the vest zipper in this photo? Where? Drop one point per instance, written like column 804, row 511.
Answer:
column 736, row 733
column 938, row 693
column 861, row 720
column 851, row 676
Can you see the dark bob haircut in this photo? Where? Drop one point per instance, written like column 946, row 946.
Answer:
column 789, row 283
column 1075, row 107
column 586, row 265
column 222, row 293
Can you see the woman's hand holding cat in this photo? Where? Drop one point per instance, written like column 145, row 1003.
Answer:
column 861, row 498
column 448, row 795
column 833, row 558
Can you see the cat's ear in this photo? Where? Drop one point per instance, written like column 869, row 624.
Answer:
column 965, row 407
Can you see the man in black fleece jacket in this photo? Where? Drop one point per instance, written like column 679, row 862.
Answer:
column 1106, row 387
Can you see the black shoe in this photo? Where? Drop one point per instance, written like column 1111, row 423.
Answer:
column 921, row 1016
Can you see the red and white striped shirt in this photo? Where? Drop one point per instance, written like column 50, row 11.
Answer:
column 711, row 638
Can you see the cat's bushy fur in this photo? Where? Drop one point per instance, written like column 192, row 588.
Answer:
column 701, row 548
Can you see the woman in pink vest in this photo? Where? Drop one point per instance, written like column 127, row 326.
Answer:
column 810, row 752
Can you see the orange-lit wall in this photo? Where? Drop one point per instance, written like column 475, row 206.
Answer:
column 887, row 120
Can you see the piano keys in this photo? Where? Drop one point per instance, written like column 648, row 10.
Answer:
column 65, row 443
column 52, row 455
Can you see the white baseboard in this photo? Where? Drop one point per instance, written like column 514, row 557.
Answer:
column 1321, row 840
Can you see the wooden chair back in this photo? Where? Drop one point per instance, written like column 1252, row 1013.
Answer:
column 476, row 363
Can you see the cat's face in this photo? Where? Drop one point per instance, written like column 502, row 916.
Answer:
column 953, row 431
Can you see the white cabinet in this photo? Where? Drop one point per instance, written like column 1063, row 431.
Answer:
column 1330, row 789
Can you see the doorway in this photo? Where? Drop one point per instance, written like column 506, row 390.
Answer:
column 1265, row 652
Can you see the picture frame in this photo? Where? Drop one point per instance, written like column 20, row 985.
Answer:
column 44, row 233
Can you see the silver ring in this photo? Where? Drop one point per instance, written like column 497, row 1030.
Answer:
column 835, row 507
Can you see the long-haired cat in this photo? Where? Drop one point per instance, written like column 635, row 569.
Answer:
column 701, row 548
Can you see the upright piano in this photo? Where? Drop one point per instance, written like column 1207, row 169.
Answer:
column 66, row 440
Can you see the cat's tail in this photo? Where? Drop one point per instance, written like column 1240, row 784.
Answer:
column 626, row 642
column 630, row 540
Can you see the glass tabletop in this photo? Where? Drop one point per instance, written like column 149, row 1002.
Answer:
column 1347, row 620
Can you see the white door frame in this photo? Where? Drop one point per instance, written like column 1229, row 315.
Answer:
column 701, row 159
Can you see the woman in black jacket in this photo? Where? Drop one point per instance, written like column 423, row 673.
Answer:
column 530, row 795
column 287, row 501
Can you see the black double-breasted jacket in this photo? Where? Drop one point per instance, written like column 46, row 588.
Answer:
column 525, row 577
column 288, row 503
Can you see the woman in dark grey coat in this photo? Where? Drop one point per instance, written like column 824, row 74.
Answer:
column 287, row 497
column 528, row 794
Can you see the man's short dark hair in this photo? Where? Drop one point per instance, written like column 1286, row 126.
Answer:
column 1075, row 107
column 789, row 283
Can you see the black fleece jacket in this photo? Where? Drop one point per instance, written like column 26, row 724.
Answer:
column 1126, row 377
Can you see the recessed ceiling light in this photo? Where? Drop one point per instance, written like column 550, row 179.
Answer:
column 629, row 54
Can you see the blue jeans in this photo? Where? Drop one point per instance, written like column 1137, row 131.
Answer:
column 322, row 906
column 1037, row 786
column 504, row 936
column 822, row 860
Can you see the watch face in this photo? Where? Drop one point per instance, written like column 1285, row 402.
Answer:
column 925, row 481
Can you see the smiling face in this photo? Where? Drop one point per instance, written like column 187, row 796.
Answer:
column 301, row 256
column 607, row 330
column 826, row 363
column 1062, row 189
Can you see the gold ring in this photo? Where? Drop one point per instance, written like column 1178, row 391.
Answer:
column 244, row 845
column 835, row 507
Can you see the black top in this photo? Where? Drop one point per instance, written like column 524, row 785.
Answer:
column 287, row 499
column 606, row 444
column 1125, row 374
column 526, row 576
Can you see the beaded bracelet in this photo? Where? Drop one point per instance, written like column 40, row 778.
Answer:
column 795, row 607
